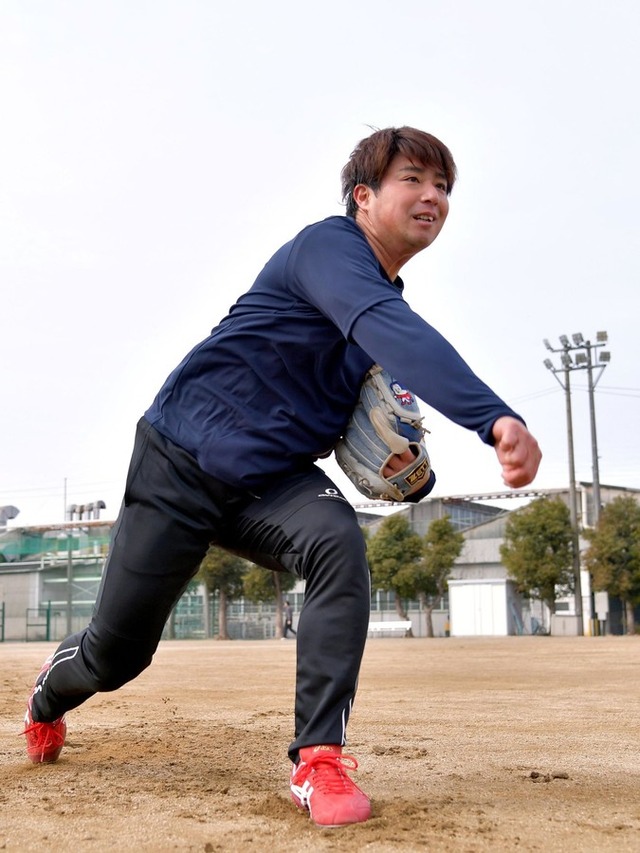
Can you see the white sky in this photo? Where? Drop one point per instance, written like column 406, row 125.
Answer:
column 153, row 155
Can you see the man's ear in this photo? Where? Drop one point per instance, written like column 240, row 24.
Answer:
column 361, row 195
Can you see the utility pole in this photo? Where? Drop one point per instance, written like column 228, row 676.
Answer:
column 584, row 360
column 573, row 502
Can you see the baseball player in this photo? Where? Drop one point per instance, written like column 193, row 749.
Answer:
column 226, row 454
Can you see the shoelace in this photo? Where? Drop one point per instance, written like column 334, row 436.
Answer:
column 47, row 735
column 329, row 775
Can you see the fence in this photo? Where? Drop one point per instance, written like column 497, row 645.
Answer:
column 45, row 600
column 248, row 621
column 245, row 620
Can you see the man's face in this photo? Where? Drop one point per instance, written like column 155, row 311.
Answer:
column 406, row 214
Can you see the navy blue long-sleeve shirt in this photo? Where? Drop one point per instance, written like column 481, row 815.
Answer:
column 274, row 384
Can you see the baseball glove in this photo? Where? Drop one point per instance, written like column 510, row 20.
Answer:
column 385, row 422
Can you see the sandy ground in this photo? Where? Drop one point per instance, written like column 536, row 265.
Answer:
column 518, row 743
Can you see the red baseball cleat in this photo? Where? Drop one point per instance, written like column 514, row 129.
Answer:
column 320, row 784
column 44, row 740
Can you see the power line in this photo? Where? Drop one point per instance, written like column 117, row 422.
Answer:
column 535, row 395
column 51, row 491
column 609, row 390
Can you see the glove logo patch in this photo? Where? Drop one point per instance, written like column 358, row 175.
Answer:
column 404, row 397
column 419, row 473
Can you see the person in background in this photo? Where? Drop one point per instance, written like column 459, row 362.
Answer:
column 288, row 621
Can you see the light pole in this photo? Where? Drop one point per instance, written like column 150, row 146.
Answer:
column 565, row 358
column 584, row 361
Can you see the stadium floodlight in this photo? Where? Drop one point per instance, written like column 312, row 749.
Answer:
column 562, row 378
column 93, row 509
column 584, row 360
column 6, row 513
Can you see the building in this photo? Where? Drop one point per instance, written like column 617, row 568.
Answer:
column 482, row 598
column 49, row 576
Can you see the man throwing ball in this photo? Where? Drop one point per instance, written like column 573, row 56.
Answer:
column 226, row 454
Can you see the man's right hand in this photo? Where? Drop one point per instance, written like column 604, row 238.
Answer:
column 517, row 450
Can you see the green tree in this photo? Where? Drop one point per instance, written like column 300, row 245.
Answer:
column 222, row 572
column 441, row 545
column 394, row 553
column 537, row 549
column 613, row 556
column 263, row 585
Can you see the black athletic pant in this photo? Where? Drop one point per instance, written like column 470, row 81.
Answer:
column 171, row 513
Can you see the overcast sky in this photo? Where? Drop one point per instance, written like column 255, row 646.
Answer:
column 155, row 154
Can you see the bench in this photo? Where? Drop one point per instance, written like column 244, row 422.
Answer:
column 383, row 627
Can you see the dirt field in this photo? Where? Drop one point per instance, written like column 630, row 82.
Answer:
column 519, row 743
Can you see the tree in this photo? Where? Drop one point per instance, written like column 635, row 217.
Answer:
column 537, row 549
column 263, row 585
column 394, row 552
column 613, row 557
column 222, row 572
column 441, row 545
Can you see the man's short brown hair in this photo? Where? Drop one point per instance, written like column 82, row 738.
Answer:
column 370, row 159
